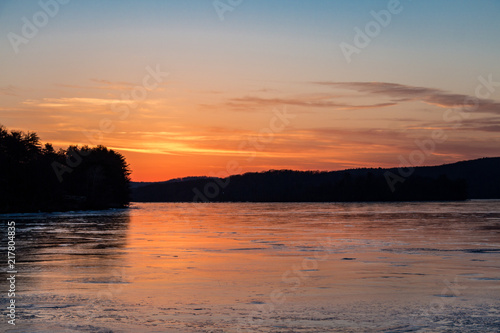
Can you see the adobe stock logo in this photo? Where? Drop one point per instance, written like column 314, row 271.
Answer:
column 221, row 7
column 40, row 19
column 372, row 29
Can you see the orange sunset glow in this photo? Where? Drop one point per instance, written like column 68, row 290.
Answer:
column 180, row 90
column 241, row 166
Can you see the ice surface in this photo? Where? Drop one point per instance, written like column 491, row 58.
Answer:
column 232, row 267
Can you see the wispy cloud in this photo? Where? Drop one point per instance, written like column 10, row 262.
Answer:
column 484, row 124
column 102, row 84
column 73, row 103
column 9, row 90
column 403, row 93
column 313, row 101
column 381, row 144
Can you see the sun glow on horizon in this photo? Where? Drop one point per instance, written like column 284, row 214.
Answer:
column 180, row 92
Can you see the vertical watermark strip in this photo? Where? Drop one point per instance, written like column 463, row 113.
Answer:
column 11, row 271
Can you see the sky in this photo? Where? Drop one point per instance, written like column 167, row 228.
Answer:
column 200, row 87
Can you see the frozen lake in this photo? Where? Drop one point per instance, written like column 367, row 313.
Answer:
column 259, row 267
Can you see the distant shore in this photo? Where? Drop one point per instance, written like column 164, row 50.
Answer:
column 474, row 179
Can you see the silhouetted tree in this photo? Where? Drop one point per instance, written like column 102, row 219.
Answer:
column 28, row 181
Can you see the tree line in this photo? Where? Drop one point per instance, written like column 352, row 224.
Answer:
column 304, row 186
column 35, row 177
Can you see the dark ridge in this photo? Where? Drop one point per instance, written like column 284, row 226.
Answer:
column 475, row 179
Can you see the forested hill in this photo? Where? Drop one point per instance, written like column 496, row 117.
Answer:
column 35, row 177
column 458, row 181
